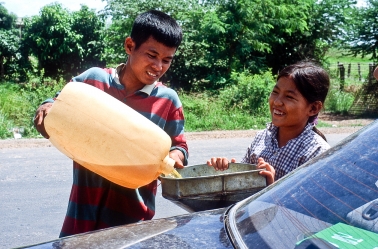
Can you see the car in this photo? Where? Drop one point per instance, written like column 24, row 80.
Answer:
column 329, row 202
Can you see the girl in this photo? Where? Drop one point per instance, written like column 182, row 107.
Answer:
column 291, row 139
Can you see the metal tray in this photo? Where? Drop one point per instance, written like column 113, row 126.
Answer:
column 202, row 187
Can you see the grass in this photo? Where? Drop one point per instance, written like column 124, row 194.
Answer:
column 206, row 113
column 337, row 55
column 18, row 103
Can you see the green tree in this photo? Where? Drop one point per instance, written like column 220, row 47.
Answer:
column 7, row 20
column 9, row 52
column 224, row 37
column 362, row 36
column 90, row 26
column 64, row 43
column 239, row 35
column 9, row 44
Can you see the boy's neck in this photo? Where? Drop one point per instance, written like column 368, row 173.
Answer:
column 130, row 83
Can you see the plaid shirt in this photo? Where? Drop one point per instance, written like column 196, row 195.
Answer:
column 287, row 158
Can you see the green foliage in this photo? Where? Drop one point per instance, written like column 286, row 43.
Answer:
column 221, row 37
column 204, row 112
column 362, row 38
column 7, row 20
column 9, row 53
column 64, row 43
column 9, row 44
column 249, row 93
column 338, row 101
column 242, row 105
column 18, row 104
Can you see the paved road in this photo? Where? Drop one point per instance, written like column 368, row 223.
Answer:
column 35, row 185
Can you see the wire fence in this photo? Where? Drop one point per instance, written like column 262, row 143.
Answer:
column 366, row 99
column 353, row 72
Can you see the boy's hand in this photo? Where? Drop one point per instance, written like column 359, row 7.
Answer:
column 178, row 157
column 269, row 171
column 39, row 118
column 219, row 163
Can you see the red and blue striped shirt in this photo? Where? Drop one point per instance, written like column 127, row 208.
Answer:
column 97, row 203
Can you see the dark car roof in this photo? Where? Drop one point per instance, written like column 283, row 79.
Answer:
column 199, row 230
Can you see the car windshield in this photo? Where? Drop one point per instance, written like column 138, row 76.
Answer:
column 332, row 199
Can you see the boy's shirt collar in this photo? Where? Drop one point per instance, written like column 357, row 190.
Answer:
column 146, row 89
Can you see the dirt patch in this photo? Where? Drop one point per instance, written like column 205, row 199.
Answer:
column 339, row 124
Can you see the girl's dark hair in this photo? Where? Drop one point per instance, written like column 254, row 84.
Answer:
column 311, row 80
column 159, row 25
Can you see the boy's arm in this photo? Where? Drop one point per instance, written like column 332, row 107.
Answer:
column 39, row 118
column 46, row 105
column 175, row 129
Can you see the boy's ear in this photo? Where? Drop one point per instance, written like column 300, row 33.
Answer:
column 316, row 107
column 129, row 45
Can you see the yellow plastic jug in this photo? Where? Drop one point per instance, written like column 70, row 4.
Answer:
column 107, row 137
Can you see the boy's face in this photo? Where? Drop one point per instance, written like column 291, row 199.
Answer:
column 149, row 62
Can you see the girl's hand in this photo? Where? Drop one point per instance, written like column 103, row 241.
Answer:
column 219, row 163
column 269, row 171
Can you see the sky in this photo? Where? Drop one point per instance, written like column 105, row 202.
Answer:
column 23, row 8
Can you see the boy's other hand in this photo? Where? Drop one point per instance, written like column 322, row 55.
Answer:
column 39, row 118
column 178, row 157
column 269, row 171
column 219, row 163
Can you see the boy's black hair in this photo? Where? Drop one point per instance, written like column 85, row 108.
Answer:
column 159, row 25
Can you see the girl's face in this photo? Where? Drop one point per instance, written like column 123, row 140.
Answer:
column 288, row 107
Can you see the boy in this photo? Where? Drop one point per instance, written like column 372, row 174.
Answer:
column 95, row 202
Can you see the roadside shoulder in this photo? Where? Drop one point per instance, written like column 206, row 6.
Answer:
column 42, row 142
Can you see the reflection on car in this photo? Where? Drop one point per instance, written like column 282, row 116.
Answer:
column 329, row 202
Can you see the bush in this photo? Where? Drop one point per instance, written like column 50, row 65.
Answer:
column 249, row 93
column 18, row 104
column 338, row 101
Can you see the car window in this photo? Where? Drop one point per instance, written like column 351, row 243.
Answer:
column 334, row 195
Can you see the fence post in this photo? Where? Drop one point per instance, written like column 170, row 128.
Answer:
column 359, row 72
column 338, row 69
column 349, row 66
column 342, row 76
column 371, row 70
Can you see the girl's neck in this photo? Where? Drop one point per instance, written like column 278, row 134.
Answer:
column 285, row 134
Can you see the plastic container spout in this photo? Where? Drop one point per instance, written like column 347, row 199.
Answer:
column 167, row 166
